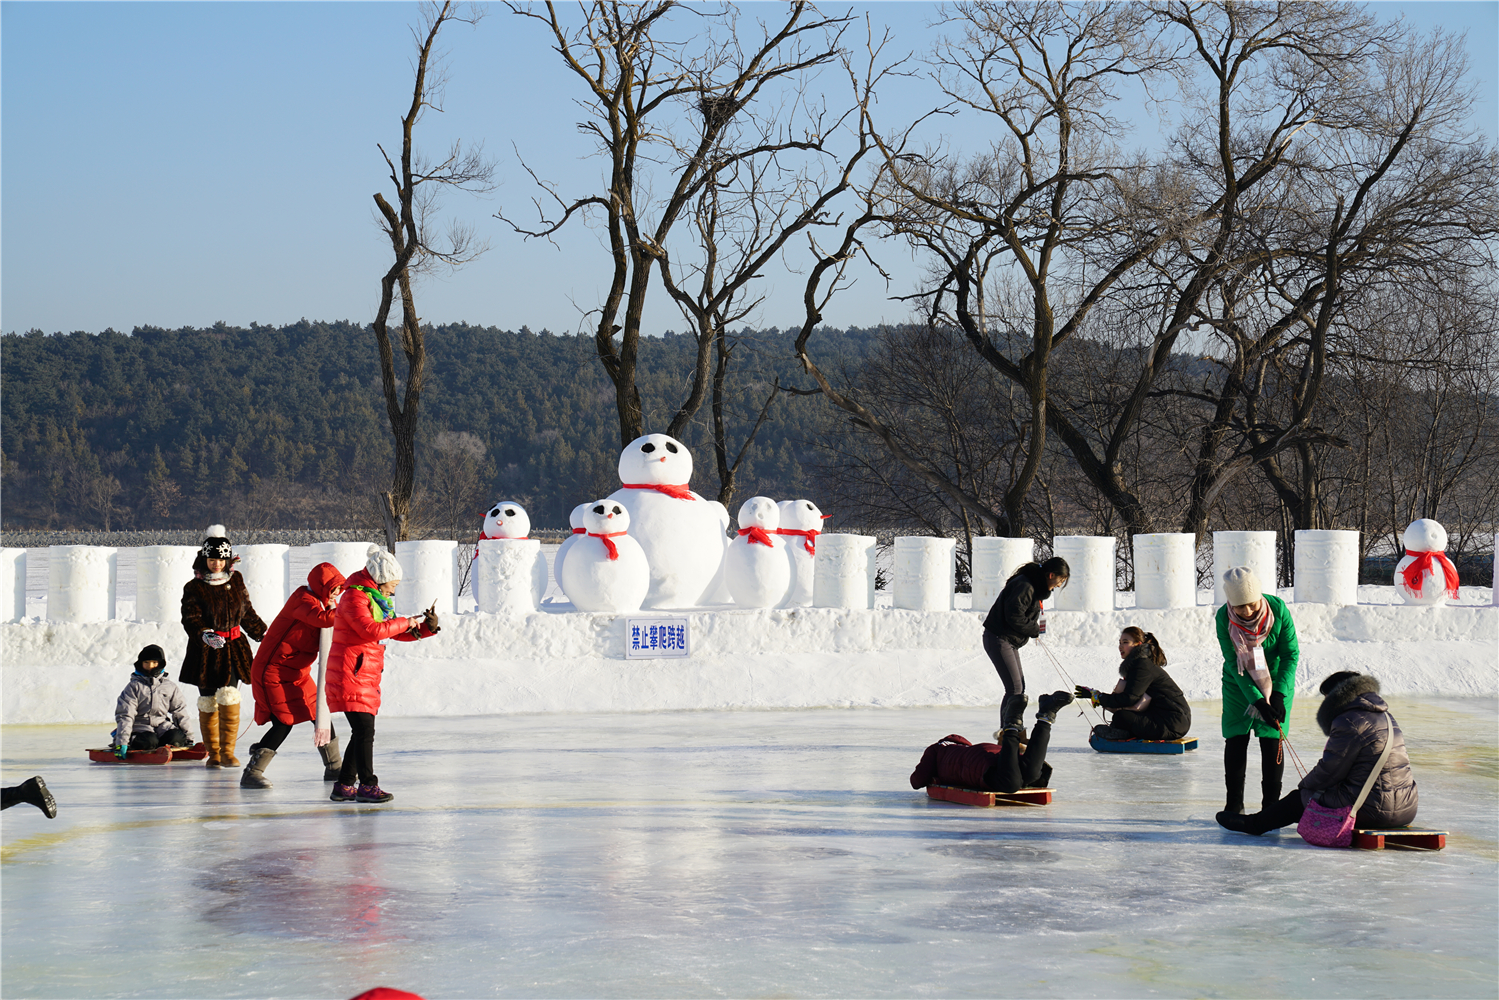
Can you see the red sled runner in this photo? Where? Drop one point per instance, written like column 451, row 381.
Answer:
column 971, row 797
column 161, row 755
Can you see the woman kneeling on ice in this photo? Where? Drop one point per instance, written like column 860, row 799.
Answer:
column 1146, row 703
column 991, row 767
column 1357, row 723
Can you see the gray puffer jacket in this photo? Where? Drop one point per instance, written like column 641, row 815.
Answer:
column 150, row 705
column 1353, row 717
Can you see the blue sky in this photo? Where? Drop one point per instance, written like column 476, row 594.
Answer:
column 178, row 164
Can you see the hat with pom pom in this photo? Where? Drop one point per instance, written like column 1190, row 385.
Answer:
column 216, row 543
column 382, row 566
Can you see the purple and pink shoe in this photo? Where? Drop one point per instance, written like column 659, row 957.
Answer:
column 343, row 792
column 372, row 793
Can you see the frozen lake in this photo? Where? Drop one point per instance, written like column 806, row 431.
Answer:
column 742, row 854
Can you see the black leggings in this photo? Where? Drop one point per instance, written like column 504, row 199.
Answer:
column 279, row 731
column 1141, row 725
column 1014, row 770
column 1006, row 659
column 154, row 741
column 359, row 758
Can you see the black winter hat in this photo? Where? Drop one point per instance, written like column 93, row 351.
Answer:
column 152, row 652
column 216, row 543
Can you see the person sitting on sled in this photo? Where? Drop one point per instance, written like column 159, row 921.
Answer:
column 1146, row 703
column 151, row 712
column 991, row 767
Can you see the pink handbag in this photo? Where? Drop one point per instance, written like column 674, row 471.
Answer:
column 1324, row 827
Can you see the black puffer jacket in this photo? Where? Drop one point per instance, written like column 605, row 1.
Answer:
column 1017, row 612
column 1168, row 707
column 1353, row 717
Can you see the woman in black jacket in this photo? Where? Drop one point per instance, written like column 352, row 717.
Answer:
column 1015, row 620
column 1146, row 703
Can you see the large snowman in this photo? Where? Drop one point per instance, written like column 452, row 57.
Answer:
column 1424, row 575
column 683, row 534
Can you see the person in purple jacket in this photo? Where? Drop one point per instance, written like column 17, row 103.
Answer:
column 994, row 767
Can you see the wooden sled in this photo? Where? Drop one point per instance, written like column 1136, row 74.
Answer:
column 1403, row 836
column 1142, row 746
column 161, row 755
column 970, row 797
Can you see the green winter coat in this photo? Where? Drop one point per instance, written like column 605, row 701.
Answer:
column 1239, row 692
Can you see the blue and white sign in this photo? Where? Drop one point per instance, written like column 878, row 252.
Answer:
column 656, row 638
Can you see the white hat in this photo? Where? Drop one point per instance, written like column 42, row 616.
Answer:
column 1241, row 586
column 382, row 566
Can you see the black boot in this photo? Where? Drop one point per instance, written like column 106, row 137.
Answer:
column 1012, row 716
column 1235, row 822
column 1272, row 767
column 1048, row 705
column 34, row 792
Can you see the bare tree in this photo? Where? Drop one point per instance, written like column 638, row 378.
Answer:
column 409, row 225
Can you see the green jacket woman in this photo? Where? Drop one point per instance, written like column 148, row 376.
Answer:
column 1260, row 652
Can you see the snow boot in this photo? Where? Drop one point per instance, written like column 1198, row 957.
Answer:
column 1272, row 766
column 372, row 793
column 332, row 760
column 32, row 791
column 1238, row 824
column 228, row 734
column 208, row 725
column 1012, row 716
column 1048, row 705
column 254, row 776
column 344, row 793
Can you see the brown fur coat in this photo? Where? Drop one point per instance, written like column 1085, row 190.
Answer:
column 219, row 608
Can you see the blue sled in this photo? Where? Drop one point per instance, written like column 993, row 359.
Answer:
column 1142, row 746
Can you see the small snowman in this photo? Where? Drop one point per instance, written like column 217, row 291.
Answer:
column 1424, row 575
column 801, row 520
column 756, row 569
column 575, row 521
column 606, row 569
column 683, row 534
column 501, row 588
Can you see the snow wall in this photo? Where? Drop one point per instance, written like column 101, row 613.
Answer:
column 489, row 664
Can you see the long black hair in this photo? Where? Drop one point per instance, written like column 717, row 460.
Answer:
column 1149, row 643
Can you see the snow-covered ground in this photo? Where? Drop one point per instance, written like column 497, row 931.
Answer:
column 558, row 660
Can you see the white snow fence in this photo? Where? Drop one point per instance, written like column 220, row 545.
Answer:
column 1166, row 571
column 1327, row 567
column 80, row 583
column 843, row 572
column 995, row 560
column 266, row 570
column 428, row 576
column 12, row 584
column 161, row 571
column 347, row 557
column 510, row 576
column 924, row 571
column 1255, row 549
column 1091, row 560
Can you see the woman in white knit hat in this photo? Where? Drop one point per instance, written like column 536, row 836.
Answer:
column 1260, row 652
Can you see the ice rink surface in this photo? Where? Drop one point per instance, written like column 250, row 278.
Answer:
column 743, row 854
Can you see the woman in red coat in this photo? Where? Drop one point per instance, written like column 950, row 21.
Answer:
column 281, row 678
column 366, row 617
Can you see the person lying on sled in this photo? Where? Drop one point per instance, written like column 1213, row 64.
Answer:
column 994, row 767
column 1146, row 703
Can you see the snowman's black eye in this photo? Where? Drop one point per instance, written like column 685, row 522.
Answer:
column 671, row 447
column 493, row 511
column 809, row 506
column 599, row 509
column 618, row 509
column 647, row 447
column 509, row 512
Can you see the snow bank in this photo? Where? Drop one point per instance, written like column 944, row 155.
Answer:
column 558, row 660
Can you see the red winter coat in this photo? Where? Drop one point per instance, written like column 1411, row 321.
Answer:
column 280, row 676
column 952, row 760
column 357, row 658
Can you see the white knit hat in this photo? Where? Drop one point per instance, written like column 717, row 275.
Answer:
column 382, row 566
column 1241, row 586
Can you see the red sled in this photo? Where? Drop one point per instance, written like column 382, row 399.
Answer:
column 971, row 797
column 161, row 755
column 1418, row 840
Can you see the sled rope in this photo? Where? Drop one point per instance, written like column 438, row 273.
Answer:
column 1086, row 708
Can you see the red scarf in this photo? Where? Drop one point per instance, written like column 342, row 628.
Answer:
column 758, row 535
column 613, row 549
column 1423, row 562
column 580, row 531
column 810, row 535
column 489, row 538
column 679, row 492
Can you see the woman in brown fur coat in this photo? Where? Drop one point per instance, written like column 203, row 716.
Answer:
column 217, row 616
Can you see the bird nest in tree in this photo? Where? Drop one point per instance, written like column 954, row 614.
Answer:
column 717, row 109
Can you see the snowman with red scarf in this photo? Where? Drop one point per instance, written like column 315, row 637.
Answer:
column 802, row 521
column 606, row 569
column 683, row 534
column 1424, row 575
column 756, row 568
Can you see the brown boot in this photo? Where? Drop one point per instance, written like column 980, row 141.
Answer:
column 208, row 725
column 228, row 734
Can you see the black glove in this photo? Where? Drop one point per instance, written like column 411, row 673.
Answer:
column 1085, row 693
column 1274, row 713
column 1278, row 706
column 430, row 620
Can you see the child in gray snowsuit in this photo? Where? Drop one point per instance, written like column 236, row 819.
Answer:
column 151, row 711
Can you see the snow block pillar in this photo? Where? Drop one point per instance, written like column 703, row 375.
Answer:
column 428, row 566
column 1165, row 571
column 1255, row 549
column 1091, row 559
column 1327, row 567
column 267, row 572
column 924, row 569
column 506, row 579
column 81, row 583
column 161, row 571
column 12, row 584
column 843, row 572
column 994, row 561
column 347, row 557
